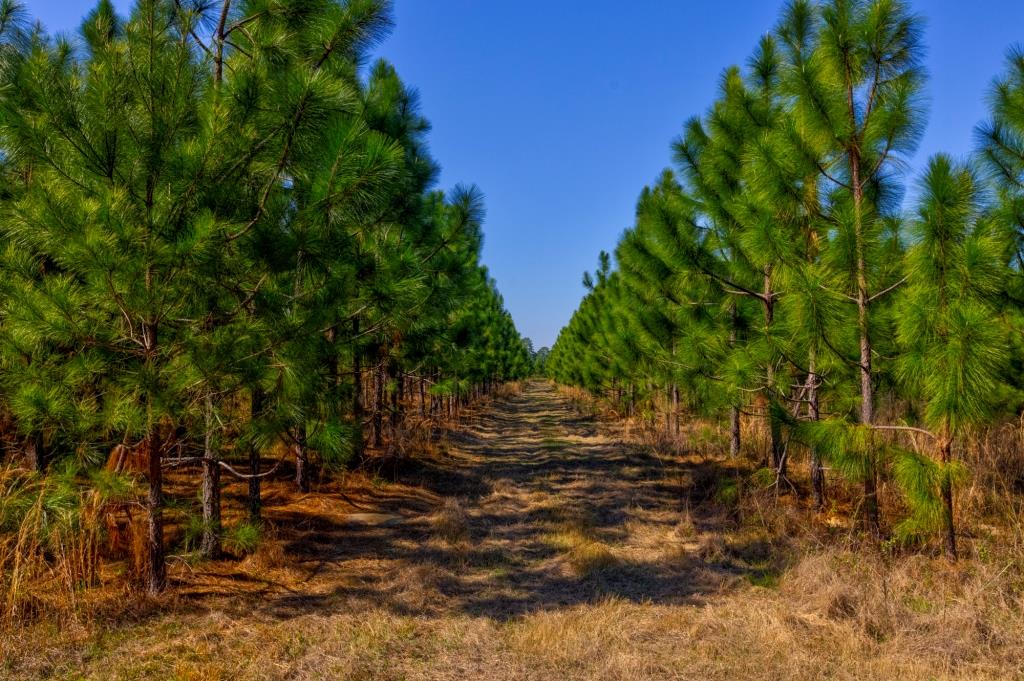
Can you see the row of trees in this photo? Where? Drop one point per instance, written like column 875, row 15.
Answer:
column 776, row 274
column 222, row 241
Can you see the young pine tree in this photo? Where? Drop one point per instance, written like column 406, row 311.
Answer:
column 954, row 346
column 852, row 72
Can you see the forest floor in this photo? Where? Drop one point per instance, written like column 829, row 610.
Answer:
column 542, row 544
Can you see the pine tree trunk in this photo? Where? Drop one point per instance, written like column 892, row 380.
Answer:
column 872, row 517
column 378, row 406
column 435, row 408
column 777, row 445
column 154, row 512
column 358, row 444
column 255, row 502
column 734, row 431
column 210, row 545
column 778, row 450
column 396, row 399
column 423, row 397
column 153, row 447
column 817, row 469
column 734, row 411
column 301, row 460
column 334, row 371
column 946, row 456
column 35, row 452
column 219, row 40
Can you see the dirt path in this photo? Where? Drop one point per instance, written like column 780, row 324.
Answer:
column 534, row 508
column 507, row 555
column 536, row 544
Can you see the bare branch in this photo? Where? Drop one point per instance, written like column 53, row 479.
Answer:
column 888, row 290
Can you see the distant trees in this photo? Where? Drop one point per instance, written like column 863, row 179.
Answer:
column 777, row 276
column 540, row 360
column 222, row 240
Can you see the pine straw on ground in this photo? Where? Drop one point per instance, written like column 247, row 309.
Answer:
column 544, row 545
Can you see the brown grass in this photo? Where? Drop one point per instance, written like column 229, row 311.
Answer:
column 450, row 522
column 586, row 555
column 50, row 555
column 573, row 534
column 510, row 558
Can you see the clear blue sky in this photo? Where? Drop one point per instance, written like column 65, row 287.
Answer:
column 561, row 110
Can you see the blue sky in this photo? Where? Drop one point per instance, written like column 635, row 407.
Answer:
column 561, row 111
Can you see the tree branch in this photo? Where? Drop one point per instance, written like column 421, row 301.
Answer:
column 888, row 290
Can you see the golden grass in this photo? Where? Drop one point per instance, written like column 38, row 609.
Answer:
column 768, row 592
column 836, row 615
column 585, row 554
column 50, row 540
column 450, row 522
column 571, row 531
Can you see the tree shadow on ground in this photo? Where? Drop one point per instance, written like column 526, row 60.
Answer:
column 551, row 512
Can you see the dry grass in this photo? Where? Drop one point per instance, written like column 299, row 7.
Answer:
column 586, row 555
column 794, row 633
column 949, row 617
column 450, row 522
column 507, row 390
column 572, row 533
column 51, row 531
column 584, row 642
column 586, row 561
column 836, row 615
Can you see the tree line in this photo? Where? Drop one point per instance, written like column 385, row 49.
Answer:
column 222, row 241
column 789, row 271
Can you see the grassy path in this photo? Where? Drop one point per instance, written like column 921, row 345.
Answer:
column 534, row 508
column 536, row 544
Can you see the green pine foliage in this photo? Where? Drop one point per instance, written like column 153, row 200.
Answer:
column 223, row 241
column 225, row 253
column 784, row 279
column 952, row 339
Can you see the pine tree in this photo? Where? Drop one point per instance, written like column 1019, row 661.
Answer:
column 954, row 348
column 1001, row 147
column 748, row 238
column 116, row 148
column 211, row 211
column 671, row 310
column 852, row 71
